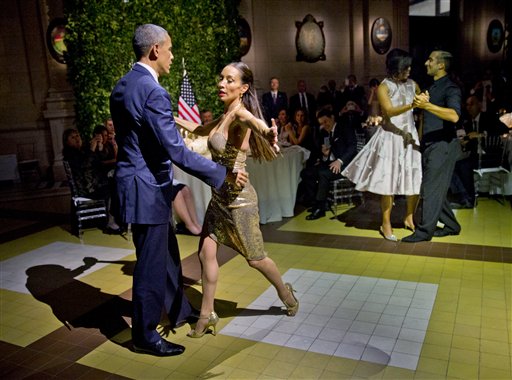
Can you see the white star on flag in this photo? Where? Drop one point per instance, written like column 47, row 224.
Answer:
column 187, row 106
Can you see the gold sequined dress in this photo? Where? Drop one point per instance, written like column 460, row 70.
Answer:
column 232, row 217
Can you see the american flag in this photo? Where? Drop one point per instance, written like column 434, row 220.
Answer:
column 187, row 106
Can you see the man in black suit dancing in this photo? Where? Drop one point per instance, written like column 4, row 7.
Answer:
column 440, row 148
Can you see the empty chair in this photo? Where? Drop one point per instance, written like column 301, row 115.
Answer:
column 492, row 166
column 28, row 164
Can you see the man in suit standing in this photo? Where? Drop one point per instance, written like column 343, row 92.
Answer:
column 338, row 148
column 149, row 144
column 354, row 92
column 440, row 148
column 273, row 101
column 305, row 100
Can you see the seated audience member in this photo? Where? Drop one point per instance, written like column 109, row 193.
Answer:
column 478, row 130
column 185, row 209
column 352, row 116
column 206, row 116
column 338, row 148
column 283, row 125
column 90, row 179
column 273, row 101
column 103, row 148
column 110, row 144
column 299, row 130
column 99, row 139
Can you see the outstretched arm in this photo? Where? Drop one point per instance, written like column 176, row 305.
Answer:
column 258, row 125
column 197, row 129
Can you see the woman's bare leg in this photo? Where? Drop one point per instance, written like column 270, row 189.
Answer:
column 189, row 203
column 412, row 203
column 268, row 268
column 386, row 205
column 180, row 208
column 209, row 277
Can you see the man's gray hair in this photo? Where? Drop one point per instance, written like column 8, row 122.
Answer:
column 145, row 37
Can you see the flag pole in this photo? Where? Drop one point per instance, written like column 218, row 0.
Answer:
column 183, row 65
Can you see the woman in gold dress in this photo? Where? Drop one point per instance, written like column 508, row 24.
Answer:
column 232, row 216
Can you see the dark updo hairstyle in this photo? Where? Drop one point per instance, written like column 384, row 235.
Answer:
column 397, row 61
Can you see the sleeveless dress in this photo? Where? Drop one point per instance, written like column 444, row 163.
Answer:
column 385, row 166
column 232, row 217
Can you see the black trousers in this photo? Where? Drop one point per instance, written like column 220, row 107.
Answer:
column 157, row 281
column 316, row 182
column 438, row 161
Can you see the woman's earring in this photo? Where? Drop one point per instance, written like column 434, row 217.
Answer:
column 241, row 95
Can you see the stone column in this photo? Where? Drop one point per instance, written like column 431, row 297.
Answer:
column 60, row 115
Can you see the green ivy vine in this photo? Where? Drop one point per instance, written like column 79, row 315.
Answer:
column 99, row 49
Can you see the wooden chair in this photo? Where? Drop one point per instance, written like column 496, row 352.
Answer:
column 84, row 210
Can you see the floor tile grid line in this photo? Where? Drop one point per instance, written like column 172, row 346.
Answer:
column 356, row 340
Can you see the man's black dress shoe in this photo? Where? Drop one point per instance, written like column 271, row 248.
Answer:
column 318, row 213
column 442, row 232
column 113, row 231
column 160, row 348
column 414, row 239
column 460, row 206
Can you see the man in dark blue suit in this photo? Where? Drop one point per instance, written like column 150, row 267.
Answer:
column 149, row 144
column 273, row 101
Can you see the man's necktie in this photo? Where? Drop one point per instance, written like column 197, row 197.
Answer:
column 303, row 101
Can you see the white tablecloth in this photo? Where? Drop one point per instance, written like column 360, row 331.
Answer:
column 275, row 183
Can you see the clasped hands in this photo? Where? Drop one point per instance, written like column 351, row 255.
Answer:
column 421, row 99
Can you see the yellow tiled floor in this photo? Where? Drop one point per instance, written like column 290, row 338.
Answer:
column 469, row 334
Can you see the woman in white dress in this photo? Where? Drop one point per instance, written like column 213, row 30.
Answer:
column 390, row 163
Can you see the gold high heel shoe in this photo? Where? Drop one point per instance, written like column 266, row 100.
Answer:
column 213, row 318
column 291, row 310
